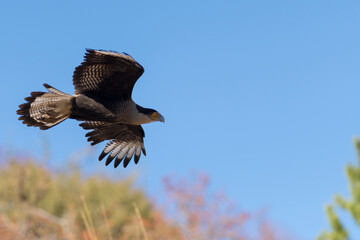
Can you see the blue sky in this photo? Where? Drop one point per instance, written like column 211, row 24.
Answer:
column 261, row 95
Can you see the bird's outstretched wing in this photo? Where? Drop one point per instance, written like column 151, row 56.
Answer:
column 106, row 75
column 125, row 141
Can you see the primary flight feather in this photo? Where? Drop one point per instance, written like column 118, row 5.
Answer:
column 102, row 101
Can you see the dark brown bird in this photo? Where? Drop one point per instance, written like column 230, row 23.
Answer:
column 102, row 100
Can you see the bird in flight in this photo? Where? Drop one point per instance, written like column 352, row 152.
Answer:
column 102, row 101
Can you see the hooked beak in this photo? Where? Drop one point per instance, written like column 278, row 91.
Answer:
column 161, row 119
column 155, row 116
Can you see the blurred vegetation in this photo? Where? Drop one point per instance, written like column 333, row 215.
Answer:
column 351, row 205
column 38, row 203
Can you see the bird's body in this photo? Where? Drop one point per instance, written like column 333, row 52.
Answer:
column 102, row 100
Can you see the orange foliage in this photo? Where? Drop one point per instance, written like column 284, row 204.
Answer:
column 202, row 215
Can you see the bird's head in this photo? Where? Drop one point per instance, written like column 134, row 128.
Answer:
column 151, row 114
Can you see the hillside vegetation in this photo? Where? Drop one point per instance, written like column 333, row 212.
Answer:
column 38, row 203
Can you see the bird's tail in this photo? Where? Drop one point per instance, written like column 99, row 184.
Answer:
column 45, row 109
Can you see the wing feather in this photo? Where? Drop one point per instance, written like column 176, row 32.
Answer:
column 121, row 155
column 125, row 142
column 129, row 155
column 137, row 154
column 106, row 75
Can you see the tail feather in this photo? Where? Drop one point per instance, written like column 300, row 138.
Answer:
column 45, row 109
column 54, row 90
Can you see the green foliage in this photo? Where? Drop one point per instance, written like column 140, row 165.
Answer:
column 338, row 232
column 26, row 186
column 351, row 205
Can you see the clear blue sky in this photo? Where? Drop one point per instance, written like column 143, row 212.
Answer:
column 264, row 96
